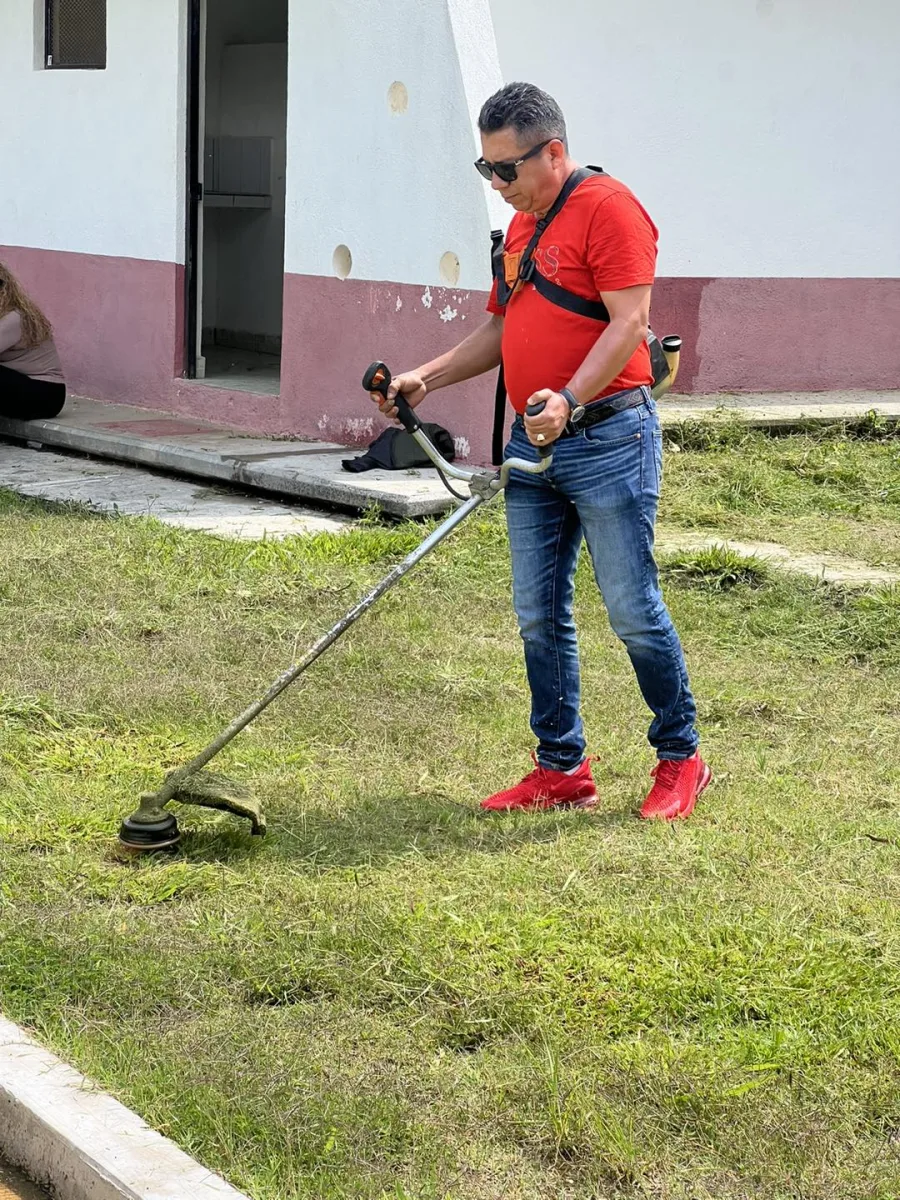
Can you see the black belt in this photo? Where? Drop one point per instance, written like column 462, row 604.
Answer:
column 602, row 410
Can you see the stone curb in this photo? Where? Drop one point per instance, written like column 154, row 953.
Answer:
column 79, row 1142
column 760, row 414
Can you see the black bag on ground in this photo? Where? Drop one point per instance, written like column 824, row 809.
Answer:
column 396, row 450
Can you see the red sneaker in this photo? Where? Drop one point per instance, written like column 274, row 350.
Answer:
column 677, row 788
column 544, row 788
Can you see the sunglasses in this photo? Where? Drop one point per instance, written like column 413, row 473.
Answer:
column 508, row 171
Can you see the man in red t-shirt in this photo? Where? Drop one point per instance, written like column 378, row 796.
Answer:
column 593, row 378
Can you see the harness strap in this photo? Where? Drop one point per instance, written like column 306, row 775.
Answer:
column 527, row 272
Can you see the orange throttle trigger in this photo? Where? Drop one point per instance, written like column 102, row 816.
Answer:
column 378, row 379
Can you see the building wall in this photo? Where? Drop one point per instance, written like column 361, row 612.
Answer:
column 92, row 201
column 381, row 167
column 759, row 134
column 749, row 130
column 753, row 130
column 94, row 160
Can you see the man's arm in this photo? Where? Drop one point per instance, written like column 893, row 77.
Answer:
column 629, row 313
column 477, row 353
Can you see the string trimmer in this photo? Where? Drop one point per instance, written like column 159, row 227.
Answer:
column 151, row 827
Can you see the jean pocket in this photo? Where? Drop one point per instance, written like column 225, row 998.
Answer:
column 616, row 431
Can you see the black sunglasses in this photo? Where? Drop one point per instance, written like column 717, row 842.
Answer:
column 508, row 171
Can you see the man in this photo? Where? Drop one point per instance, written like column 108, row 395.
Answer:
column 603, row 485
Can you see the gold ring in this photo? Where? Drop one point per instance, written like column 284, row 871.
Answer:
column 541, row 438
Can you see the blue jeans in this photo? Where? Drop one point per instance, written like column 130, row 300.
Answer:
column 603, row 487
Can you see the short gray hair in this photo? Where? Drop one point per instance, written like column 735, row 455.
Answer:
column 535, row 116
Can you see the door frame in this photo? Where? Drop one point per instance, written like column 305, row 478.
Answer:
column 193, row 264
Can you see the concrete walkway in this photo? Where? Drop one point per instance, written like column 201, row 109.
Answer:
column 112, row 487
column 109, row 487
column 771, row 410
column 304, row 470
column 300, row 470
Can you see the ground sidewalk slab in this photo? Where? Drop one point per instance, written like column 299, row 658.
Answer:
column 79, row 1142
column 312, row 471
column 773, row 410
column 127, row 490
column 294, row 468
column 829, row 568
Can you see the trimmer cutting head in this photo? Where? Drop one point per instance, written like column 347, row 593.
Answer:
column 142, row 837
column 151, row 827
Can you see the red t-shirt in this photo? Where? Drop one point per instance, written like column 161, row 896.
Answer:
column 602, row 241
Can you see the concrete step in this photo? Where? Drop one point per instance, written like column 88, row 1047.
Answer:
column 288, row 467
column 777, row 410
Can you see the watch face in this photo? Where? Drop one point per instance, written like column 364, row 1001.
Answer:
column 576, row 410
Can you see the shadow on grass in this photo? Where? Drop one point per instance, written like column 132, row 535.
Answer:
column 380, row 829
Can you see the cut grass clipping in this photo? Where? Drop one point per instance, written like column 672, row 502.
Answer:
column 394, row 996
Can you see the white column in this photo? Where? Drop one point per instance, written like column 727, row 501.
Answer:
column 383, row 97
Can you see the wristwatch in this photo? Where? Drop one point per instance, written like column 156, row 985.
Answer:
column 576, row 408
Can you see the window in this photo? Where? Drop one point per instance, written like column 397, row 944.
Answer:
column 75, row 33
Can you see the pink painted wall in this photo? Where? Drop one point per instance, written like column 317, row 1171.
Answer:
column 118, row 322
column 119, row 326
column 333, row 329
column 803, row 335
column 766, row 335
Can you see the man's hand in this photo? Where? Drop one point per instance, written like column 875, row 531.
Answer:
column 551, row 422
column 409, row 384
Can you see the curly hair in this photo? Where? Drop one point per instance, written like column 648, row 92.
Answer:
column 13, row 298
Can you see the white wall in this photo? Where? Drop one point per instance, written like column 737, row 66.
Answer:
column 398, row 189
column 93, row 161
column 762, row 135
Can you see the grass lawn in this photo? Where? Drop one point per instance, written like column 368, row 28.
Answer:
column 393, row 996
column 821, row 491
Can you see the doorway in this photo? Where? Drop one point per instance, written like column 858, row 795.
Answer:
column 238, row 147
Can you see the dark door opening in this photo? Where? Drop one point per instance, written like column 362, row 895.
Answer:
column 237, row 152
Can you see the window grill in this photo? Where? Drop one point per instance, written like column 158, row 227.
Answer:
column 75, row 33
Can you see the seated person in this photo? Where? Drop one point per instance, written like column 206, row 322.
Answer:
column 31, row 378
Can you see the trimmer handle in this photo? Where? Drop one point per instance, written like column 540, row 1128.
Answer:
column 534, row 410
column 378, row 379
